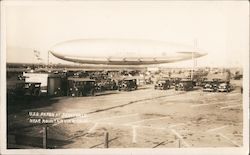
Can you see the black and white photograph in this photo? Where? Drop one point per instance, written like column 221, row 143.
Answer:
column 167, row 76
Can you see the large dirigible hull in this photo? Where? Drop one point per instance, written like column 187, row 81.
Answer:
column 123, row 51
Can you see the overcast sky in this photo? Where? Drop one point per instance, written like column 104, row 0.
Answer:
column 220, row 28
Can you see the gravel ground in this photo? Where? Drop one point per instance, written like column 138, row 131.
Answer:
column 145, row 118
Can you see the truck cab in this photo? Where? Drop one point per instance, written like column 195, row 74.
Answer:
column 32, row 88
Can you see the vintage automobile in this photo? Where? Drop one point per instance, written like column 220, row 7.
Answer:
column 19, row 89
column 217, row 82
column 32, row 89
column 99, row 87
column 15, row 88
column 127, row 84
column 174, row 81
column 110, row 85
column 162, row 84
column 201, row 82
column 224, row 87
column 209, row 86
column 212, row 85
column 80, row 86
column 106, row 85
column 184, row 84
column 149, row 80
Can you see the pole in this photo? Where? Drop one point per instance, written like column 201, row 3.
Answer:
column 48, row 58
column 192, row 72
column 45, row 137
column 134, row 134
column 106, row 140
column 194, row 61
column 179, row 142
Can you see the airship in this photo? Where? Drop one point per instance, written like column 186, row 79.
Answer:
column 123, row 51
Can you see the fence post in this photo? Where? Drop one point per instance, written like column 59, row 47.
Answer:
column 134, row 134
column 45, row 137
column 106, row 140
column 179, row 142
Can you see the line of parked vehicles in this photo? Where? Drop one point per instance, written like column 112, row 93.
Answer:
column 58, row 85
column 72, row 86
column 186, row 84
column 87, row 86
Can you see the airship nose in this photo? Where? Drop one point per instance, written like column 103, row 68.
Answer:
column 62, row 49
column 54, row 53
column 202, row 54
column 57, row 52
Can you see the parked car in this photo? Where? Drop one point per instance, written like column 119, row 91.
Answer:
column 174, row 81
column 208, row 86
column 184, row 84
column 217, row 82
column 162, row 84
column 127, row 84
column 224, row 87
column 201, row 82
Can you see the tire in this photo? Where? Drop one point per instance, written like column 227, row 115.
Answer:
column 80, row 94
column 36, row 92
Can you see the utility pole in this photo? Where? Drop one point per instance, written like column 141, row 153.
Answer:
column 192, row 71
column 48, row 59
column 193, row 59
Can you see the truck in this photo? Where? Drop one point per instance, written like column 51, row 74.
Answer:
column 32, row 89
column 57, row 85
column 80, row 86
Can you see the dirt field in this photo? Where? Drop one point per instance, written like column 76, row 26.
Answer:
column 145, row 118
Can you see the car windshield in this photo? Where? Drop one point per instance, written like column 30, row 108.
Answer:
column 161, row 81
column 209, row 82
column 27, row 85
column 223, row 84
